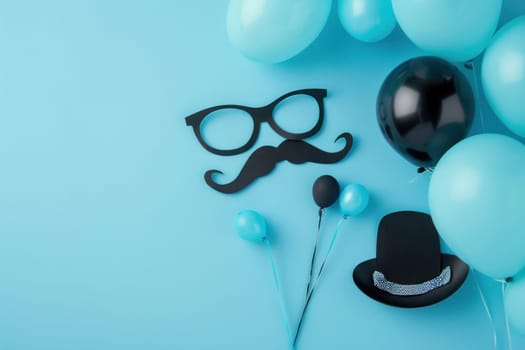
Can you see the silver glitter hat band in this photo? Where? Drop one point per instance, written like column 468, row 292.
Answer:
column 393, row 288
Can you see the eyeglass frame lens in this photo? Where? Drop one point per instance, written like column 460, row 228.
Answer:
column 258, row 115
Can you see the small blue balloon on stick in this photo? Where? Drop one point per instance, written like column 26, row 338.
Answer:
column 354, row 199
column 251, row 226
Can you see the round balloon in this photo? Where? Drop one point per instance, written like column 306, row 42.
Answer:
column 272, row 31
column 515, row 303
column 503, row 75
column 354, row 199
column 476, row 198
column 457, row 30
column 325, row 191
column 367, row 20
column 250, row 225
column 424, row 107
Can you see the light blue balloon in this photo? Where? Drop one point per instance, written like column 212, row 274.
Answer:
column 272, row 31
column 367, row 20
column 353, row 199
column 250, row 225
column 515, row 303
column 457, row 30
column 503, row 75
column 477, row 202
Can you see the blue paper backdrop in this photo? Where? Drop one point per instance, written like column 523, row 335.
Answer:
column 111, row 240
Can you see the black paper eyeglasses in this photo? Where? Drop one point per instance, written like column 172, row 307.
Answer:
column 258, row 116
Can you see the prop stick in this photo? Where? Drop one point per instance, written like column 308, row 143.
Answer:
column 352, row 201
column 325, row 192
column 251, row 226
column 312, row 263
column 282, row 304
column 316, row 281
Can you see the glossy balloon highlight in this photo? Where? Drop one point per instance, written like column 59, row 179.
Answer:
column 325, row 191
column 424, row 107
column 367, row 20
column 476, row 198
column 354, row 199
column 272, row 31
column 503, row 75
column 250, row 225
column 457, row 30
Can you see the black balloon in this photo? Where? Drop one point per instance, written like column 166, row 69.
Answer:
column 425, row 106
column 325, row 191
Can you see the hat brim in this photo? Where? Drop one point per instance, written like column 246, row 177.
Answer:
column 363, row 279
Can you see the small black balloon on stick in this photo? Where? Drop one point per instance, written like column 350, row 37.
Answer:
column 325, row 192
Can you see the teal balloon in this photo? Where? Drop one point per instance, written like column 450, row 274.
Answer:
column 515, row 303
column 477, row 202
column 503, row 75
column 250, row 225
column 367, row 20
column 272, row 31
column 353, row 199
column 457, row 30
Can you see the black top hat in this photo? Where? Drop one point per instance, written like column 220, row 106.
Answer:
column 409, row 270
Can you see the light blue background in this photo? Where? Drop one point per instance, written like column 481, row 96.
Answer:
column 111, row 240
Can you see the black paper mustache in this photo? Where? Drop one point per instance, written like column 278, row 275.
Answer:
column 263, row 160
